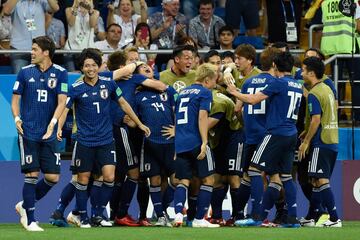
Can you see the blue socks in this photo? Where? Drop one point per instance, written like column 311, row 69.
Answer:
column 66, row 196
column 81, row 200
column 217, row 199
column 168, row 196
column 290, row 195
column 191, row 211
column 203, row 201
column 95, row 197
column 155, row 193
column 257, row 191
column 270, row 196
column 28, row 193
column 243, row 196
column 42, row 188
column 329, row 201
column 106, row 192
column 180, row 197
column 127, row 193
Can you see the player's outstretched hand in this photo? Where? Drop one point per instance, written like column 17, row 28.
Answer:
column 302, row 150
column 145, row 129
column 49, row 131
column 202, row 154
column 19, row 127
column 168, row 131
column 231, row 88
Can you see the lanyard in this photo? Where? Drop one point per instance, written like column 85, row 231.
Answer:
column 207, row 31
column 29, row 8
column 292, row 11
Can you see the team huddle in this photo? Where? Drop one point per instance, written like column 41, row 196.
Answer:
column 192, row 135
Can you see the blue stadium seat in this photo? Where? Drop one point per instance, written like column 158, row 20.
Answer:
column 220, row 12
column 152, row 10
column 5, row 69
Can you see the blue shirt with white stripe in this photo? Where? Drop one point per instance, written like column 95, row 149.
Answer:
column 190, row 101
column 128, row 88
column 39, row 98
column 156, row 110
column 283, row 105
column 93, row 106
column 255, row 115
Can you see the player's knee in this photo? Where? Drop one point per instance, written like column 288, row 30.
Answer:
column 234, row 181
column 322, row 181
column 134, row 174
column 32, row 174
column 155, row 180
column 209, row 180
column 53, row 178
column 109, row 178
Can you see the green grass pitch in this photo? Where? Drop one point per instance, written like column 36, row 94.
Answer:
column 349, row 231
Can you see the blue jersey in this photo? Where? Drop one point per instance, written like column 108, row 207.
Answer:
column 128, row 88
column 190, row 101
column 255, row 115
column 283, row 105
column 156, row 110
column 92, row 104
column 316, row 110
column 39, row 98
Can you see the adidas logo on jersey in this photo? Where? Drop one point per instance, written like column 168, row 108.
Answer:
column 144, row 99
column 31, row 80
column 262, row 164
column 320, row 171
column 84, row 95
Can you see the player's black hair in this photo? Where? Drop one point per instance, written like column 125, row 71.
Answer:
column 227, row 54
column 280, row 45
column 177, row 52
column 210, row 54
column 284, row 61
column 89, row 53
column 314, row 64
column 318, row 52
column 46, row 44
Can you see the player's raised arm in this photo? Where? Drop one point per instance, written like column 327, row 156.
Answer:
column 130, row 112
column 125, row 71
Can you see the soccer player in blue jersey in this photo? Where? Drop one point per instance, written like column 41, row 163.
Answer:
column 275, row 154
column 94, row 147
column 41, row 89
column 192, row 151
column 255, row 128
column 321, row 139
column 156, row 110
column 127, row 160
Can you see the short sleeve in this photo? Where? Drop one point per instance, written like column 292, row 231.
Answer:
column 116, row 92
column 218, row 115
column 19, row 83
column 138, row 79
column 205, row 101
column 70, row 98
column 63, row 86
column 314, row 105
column 172, row 95
column 107, row 74
column 273, row 88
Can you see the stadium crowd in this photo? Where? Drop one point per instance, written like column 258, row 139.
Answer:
column 192, row 131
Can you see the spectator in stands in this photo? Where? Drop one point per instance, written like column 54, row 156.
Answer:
column 226, row 38
column 112, row 41
column 143, row 41
column 278, row 22
column 189, row 8
column 126, row 19
column 82, row 19
column 204, row 28
column 169, row 25
column 99, row 31
column 248, row 10
column 55, row 30
column 5, row 28
column 28, row 21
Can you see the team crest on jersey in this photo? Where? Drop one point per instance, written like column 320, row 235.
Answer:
column 164, row 97
column 104, row 93
column 52, row 82
column 28, row 159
